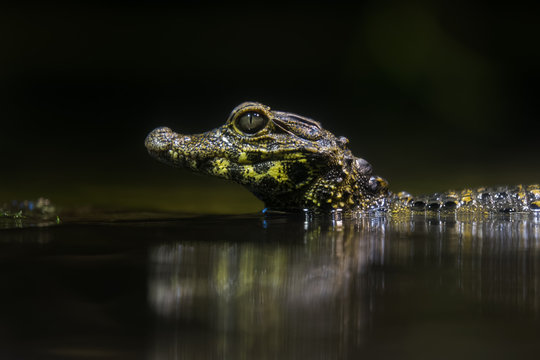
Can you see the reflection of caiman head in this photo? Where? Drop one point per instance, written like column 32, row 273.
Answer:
column 288, row 161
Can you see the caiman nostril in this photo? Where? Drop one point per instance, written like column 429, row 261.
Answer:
column 159, row 140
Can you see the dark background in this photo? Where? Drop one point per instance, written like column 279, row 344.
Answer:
column 435, row 95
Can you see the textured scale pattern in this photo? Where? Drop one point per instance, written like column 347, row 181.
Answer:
column 503, row 199
column 291, row 163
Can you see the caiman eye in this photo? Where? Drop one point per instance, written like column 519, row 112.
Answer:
column 251, row 122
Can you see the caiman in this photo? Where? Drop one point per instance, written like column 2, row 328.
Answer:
column 291, row 163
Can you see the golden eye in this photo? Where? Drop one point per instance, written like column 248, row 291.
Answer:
column 251, row 122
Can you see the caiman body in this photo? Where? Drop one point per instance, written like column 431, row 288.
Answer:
column 291, row 163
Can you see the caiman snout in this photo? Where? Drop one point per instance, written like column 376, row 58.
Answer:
column 159, row 140
column 170, row 147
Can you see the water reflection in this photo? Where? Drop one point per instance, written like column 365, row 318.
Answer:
column 320, row 295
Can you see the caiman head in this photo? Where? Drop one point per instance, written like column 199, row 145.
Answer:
column 288, row 161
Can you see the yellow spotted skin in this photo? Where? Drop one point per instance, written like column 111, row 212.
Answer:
column 291, row 163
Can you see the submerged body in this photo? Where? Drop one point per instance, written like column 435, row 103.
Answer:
column 291, row 163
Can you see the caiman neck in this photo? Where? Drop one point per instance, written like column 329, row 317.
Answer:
column 348, row 185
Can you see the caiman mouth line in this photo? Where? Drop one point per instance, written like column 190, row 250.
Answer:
column 175, row 147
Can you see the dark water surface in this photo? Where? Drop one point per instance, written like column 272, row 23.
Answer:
column 274, row 287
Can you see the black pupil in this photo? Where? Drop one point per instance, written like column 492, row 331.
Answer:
column 251, row 122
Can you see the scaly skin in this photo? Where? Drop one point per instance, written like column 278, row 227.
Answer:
column 291, row 163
